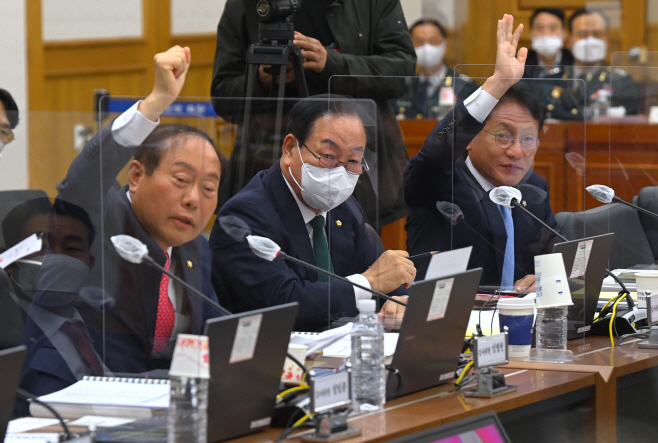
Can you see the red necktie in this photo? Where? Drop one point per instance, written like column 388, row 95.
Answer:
column 164, row 324
column 81, row 343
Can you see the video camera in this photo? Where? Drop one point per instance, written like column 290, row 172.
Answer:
column 276, row 26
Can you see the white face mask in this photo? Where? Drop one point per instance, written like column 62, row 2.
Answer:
column 324, row 188
column 590, row 50
column 430, row 56
column 547, row 45
column 2, row 146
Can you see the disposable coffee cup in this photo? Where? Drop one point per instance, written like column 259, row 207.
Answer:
column 518, row 315
column 646, row 284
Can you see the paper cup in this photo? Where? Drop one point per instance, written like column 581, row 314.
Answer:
column 518, row 315
column 551, row 280
column 292, row 373
column 647, row 284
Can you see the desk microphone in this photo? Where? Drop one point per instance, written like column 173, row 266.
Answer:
column 605, row 194
column 267, row 249
column 509, row 197
column 134, row 251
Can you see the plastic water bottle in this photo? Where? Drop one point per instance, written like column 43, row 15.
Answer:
column 368, row 372
column 551, row 328
column 188, row 410
column 601, row 105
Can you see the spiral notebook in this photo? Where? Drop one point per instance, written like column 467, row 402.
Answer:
column 108, row 396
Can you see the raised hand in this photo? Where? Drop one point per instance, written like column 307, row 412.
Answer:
column 171, row 68
column 510, row 63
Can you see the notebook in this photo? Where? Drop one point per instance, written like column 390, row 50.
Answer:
column 585, row 261
column 432, row 332
column 11, row 363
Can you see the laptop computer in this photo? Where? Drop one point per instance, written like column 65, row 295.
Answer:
column 485, row 428
column 590, row 256
column 245, row 372
column 11, row 365
column 432, row 332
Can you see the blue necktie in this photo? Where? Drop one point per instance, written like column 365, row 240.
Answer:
column 507, row 279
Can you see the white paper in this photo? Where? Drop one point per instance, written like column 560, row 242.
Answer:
column 191, row 357
column 246, row 337
column 113, row 393
column 318, row 341
column 551, row 281
column 448, row 263
column 440, row 299
column 582, row 258
column 99, row 420
column 30, row 423
column 343, row 347
column 26, row 247
column 40, row 437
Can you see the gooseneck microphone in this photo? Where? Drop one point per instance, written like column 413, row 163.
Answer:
column 509, row 197
column 605, row 194
column 267, row 249
column 134, row 251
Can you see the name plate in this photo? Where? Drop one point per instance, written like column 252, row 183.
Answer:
column 490, row 350
column 330, row 391
column 652, row 309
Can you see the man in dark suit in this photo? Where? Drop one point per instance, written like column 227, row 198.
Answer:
column 489, row 140
column 304, row 203
column 171, row 194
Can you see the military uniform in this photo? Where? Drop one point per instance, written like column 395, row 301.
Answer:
column 535, row 68
column 568, row 100
column 423, row 99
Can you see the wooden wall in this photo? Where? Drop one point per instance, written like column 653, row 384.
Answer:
column 62, row 77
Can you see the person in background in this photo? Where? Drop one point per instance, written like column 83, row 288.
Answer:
column 597, row 81
column 8, row 118
column 434, row 93
column 548, row 55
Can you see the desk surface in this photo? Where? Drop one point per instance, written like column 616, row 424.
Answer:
column 437, row 406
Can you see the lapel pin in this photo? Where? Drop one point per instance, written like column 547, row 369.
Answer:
column 339, row 223
column 190, row 265
column 523, row 203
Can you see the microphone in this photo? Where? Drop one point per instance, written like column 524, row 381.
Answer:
column 267, row 249
column 509, row 197
column 605, row 194
column 134, row 251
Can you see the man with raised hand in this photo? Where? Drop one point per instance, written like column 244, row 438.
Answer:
column 489, row 140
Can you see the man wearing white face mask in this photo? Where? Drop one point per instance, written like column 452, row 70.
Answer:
column 588, row 41
column 434, row 92
column 547, row 55
column 304, row 203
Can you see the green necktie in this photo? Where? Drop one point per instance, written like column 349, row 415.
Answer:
column 320, row 247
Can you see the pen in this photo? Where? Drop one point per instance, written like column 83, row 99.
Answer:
column 424, row 254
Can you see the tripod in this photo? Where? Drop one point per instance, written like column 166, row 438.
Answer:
column 270, row 52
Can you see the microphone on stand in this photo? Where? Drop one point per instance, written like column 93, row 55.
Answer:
column 509, row 197
column 134, row 251
column 267, row 249
column 605, row 194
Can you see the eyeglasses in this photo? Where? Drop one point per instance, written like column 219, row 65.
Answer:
column 329, row 161
column 505, row 140
column 6, row 134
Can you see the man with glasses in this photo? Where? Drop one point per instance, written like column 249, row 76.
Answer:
column 304, row 203
column 8, row 118
column 490, row 140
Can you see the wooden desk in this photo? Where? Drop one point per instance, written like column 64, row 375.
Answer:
column 435, row 407
column 624, row 381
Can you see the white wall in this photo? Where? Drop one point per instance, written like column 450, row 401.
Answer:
column 13, row 78
column 195, row 17
column 91, row 19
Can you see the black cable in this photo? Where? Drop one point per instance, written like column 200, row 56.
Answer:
column 28, row 396
column 289, row 431
column 293, row 417
column 477, row 326
column 297, row 362
column 492, row 317
column 398, row 374
column 637, row 334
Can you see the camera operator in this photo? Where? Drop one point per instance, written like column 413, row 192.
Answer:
column 346, row 38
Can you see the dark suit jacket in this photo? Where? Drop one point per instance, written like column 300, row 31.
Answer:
column 438, row 173
column 245, row 281
column 125, row 328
